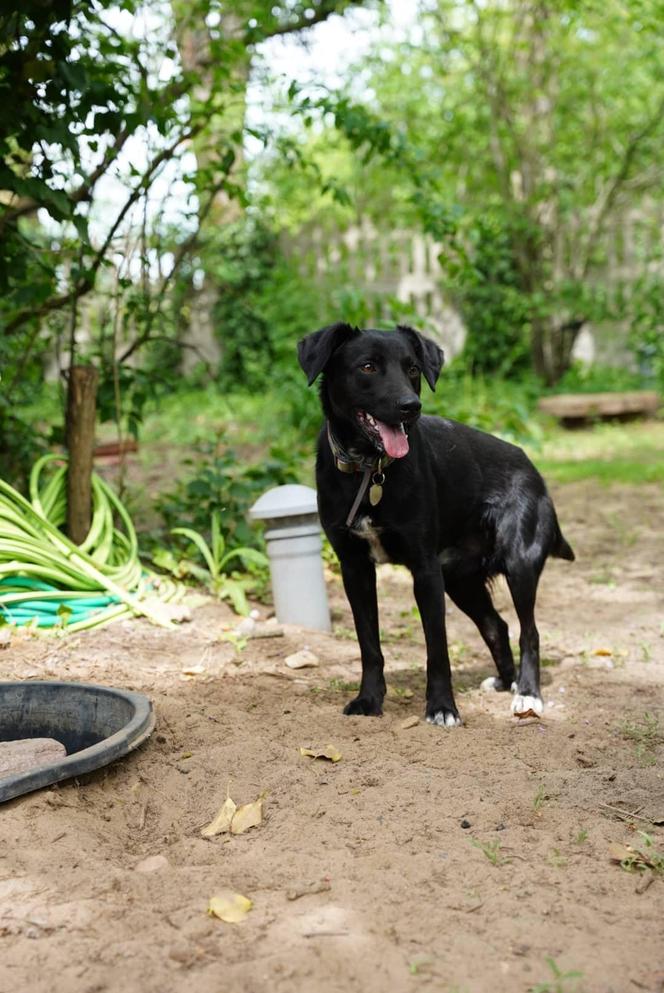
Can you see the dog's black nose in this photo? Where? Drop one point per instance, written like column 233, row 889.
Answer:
column 409, row 406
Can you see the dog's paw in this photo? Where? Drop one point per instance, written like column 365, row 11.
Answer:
column 364, row 706
column 494, row 684
column 527, row 706
column 444, row 719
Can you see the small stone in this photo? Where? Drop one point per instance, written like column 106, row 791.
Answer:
column 303, row 659
column 465, row 824
column 246, row 627
column 29, row 753
column 5, row 635
column 410, row 722
column 152, row 863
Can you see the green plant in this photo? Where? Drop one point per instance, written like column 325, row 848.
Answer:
column 540, row 798
column 224, row 482
column 216, row 576
column 491, row 849
column 649, row 859
column 646, row 734
column 561, row 982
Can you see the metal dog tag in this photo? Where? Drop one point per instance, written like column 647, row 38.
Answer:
column 375, row 494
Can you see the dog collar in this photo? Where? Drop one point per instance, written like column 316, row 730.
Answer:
column 371, row 469
column 348, row 463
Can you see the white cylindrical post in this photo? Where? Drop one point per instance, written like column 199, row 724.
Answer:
column 293, row 538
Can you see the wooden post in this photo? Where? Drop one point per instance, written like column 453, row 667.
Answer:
column 80, row 433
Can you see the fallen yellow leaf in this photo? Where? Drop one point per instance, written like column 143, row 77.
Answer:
column 234, row 819
column 229, row 906
column 329, row 752
column 193, row 670
column 602, row 651
column 222, row 822
column 247, row 816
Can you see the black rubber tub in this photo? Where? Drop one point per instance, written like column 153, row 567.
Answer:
column 96, row 724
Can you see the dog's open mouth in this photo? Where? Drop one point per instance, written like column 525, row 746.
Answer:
column 391, row 438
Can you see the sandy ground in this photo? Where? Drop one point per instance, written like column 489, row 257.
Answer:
column 450, row 860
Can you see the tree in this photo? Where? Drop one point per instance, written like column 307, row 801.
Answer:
column 543, row 121
column 97, row 92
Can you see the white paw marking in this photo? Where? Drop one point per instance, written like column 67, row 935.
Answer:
column 524, row 705
column 514, row 688
column 443, row 720
column 490, row 684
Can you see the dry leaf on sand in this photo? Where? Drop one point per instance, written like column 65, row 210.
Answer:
column 234, row 819
column 247, row 816
column 229, row 906
column 329, row 752
column 222, row 821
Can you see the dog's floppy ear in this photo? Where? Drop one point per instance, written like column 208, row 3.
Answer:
column 315, row 351
column 427, row 351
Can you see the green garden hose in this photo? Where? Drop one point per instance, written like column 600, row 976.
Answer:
column 49, row 582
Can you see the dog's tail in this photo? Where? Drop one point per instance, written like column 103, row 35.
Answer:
column 562, row 548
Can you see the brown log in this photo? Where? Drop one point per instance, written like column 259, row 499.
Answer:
column 80, row 434
column 584, row 406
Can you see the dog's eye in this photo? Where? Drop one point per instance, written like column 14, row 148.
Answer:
column 368, row 367
column 413, row 371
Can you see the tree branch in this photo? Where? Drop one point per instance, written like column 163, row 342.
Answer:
column 609, row 194
column 321, row 12
column 86, row 282
column 180, row 255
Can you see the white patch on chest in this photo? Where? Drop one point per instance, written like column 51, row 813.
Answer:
column 364, row 528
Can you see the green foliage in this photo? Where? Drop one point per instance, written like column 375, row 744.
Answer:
column 491, row 301
column 647, row 329
column 491, row 849
column 225, row 484
column 582, row 377
column 493, row 106
column 502, row 406
column 560, row 982
column 217, row 576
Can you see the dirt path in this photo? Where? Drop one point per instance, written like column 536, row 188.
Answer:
column 453, row 860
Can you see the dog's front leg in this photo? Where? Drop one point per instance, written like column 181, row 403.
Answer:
column 430, row 597
column 359, row 576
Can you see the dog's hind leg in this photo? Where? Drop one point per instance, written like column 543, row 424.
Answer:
column 471, row 596
column 359, row 577
column 522, row 580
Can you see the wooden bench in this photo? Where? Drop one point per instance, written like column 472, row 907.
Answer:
column 575, row 408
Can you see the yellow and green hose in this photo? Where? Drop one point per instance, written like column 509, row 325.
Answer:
column 49, row 582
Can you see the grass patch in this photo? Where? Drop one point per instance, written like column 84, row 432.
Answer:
column 609, row 453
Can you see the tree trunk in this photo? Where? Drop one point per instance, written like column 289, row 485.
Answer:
column 552, row 343
column 80, row 431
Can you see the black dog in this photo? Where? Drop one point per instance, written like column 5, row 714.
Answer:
column 453, row 504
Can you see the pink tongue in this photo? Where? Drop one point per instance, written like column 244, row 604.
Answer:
column 395, row 440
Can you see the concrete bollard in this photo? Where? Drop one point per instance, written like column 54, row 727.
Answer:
column 293, row 537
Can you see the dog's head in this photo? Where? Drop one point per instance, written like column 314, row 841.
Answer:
column 371, row 381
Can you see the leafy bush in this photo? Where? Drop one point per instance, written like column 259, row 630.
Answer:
column 225, row 485
column 647, row 330
column 584, row 378
column 500, row 406
column 496, row 311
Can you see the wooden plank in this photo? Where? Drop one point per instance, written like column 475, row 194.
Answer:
column 578, row 406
